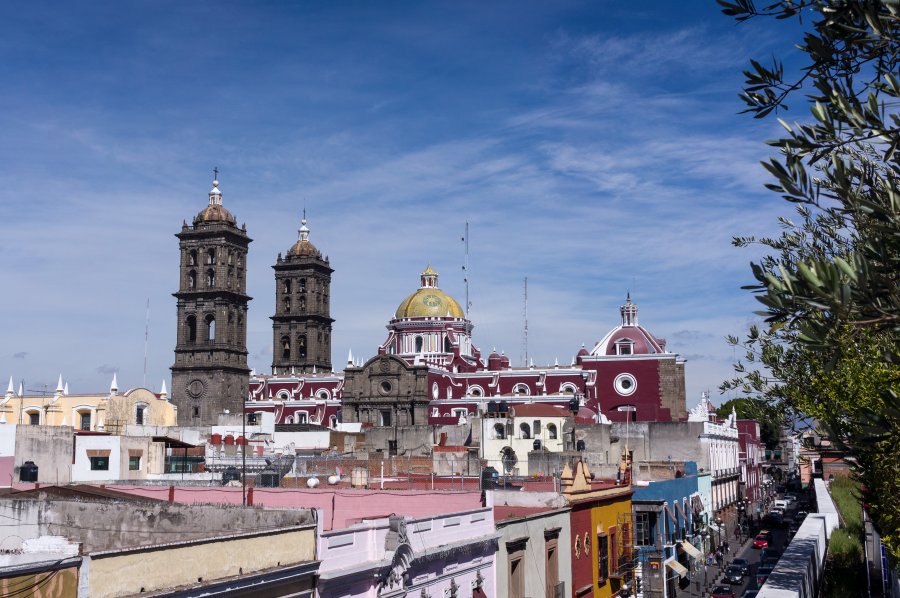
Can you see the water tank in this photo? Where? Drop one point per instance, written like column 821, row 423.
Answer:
column 270, row 479
column 229, row 440
column 231, row 474
column 492, row 407
column 312, row 483
column 503, row 407
column 28, row 472
column 359, row 477
column 489, row 478
column 579, row 445
column 215, row 439
column 536, row 445
column 333, row 479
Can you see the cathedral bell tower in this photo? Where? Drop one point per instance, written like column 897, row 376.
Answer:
column 301, row 325
column 210, row 374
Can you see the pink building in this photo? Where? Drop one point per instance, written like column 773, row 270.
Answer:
column 750, row 453
column 441, row 555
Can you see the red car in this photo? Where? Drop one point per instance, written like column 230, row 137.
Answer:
column 722, row 592
column 761, row 541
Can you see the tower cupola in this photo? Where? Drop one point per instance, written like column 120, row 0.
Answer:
column 629, row 312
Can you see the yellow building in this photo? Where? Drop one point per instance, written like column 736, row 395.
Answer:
column 95, row 412
column 601, row 531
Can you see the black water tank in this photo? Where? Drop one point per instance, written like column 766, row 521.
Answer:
column 269, row 479
column 489, row 478
column 536, row 445
column 503, row 407
column 231, row 474
column 492, row 407
column 28, row 472
column 579, row 446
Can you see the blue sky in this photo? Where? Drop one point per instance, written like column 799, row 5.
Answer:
column 594, row 147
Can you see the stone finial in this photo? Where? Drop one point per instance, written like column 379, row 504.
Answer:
column 114, row 385
column 350, row 357
column 66, row 389
column 162, row 391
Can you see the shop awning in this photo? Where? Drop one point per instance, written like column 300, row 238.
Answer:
column 677, row 567
column 690, row 549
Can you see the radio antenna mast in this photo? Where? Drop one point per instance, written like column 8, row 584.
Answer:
column 525, row 317
column 465, row 268
column 146, row 338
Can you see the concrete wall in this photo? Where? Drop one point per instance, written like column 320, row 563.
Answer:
column 81, row 469
column 415, row 439
column 50, row 447
column 170, row 566
column 112, row 525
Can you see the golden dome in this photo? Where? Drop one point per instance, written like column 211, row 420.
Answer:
column 303, row 248
column 429, row 301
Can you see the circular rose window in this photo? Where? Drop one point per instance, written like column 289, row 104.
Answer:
column 625, row 384
column 386, row 387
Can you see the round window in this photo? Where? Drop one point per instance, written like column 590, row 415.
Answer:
column 386, row 387
column 625, row 384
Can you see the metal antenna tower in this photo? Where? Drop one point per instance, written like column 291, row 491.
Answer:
column 146, row 338
column 465, row 240
column 525, row 317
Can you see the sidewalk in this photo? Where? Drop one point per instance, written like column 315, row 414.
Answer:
column 715, row 573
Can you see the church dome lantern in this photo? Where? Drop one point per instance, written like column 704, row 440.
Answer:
column 215, row 211
column 303, row 247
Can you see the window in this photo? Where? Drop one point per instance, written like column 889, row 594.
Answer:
column 210, row 328
column 192, row 279
column 567, row 389
column 301, row 346
column 385, row 417
column 419, row 344
column 195, row 412
column 302, row 285
column 602, row 558
column 448, row 348
column 499, row 431
column 134, row 463
column 551, row 432
column 34, row 418
column 642, row 530
column 536, row 426
column 285, row 347
column 287, row 304
column 139, row 415
column 475, row 392
column 302, row 302
column 625, row 347
column 287, row 286
column 192, row 258
column 191, row 326
column 521, row 389
column 230, row 257
column 84, row 420
column 552, row 567
column 211, row 256
column 614, row 550
column 210, row 278
column 525, row 430
column 99, row 463
column 300, row 417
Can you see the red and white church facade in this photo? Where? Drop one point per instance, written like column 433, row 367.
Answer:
column 428, row 371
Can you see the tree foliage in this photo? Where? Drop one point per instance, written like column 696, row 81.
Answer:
column 829, row 286
column 770, row 419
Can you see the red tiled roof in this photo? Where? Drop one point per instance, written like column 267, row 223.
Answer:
column 539, row 410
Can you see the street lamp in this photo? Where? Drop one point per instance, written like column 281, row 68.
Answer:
column 703, row 534
column 719, row 527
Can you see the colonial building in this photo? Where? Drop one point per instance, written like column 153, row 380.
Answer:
column 428, row 371
column 301, row 325
column 210, row 374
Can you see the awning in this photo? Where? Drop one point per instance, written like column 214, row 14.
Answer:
column 690, row 549
column 677, row 567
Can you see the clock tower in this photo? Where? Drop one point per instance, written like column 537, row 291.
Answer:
column 210, row 374
column 301, row 326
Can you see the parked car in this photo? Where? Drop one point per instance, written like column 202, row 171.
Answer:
column 744, row 564
column 761, row 540
column 790, row 497
column 770, row 552
column 781, row 503
column 799, row 516
column 762, row 574
column 734, row 574
column 722, row 592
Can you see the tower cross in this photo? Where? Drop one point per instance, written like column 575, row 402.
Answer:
column 216, row 173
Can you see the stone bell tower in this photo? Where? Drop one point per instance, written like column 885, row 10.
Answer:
column 210, row 373
column 301, row 326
